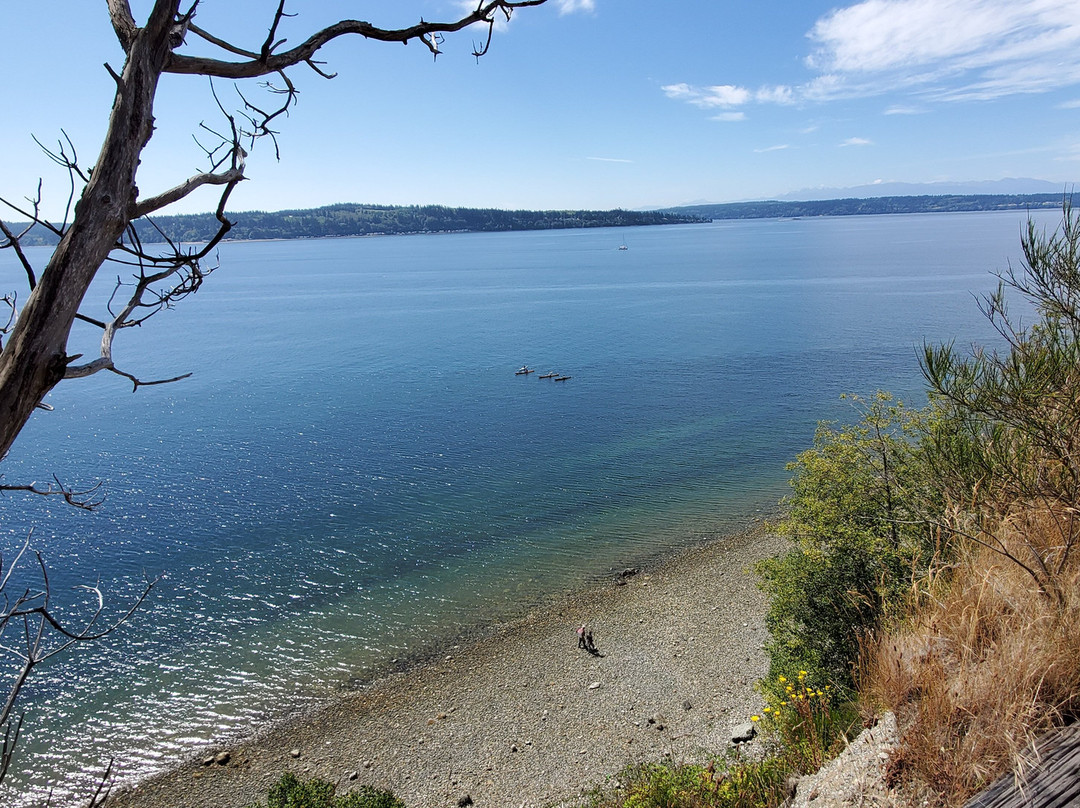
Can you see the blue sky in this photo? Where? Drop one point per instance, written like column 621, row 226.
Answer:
column 588, row 103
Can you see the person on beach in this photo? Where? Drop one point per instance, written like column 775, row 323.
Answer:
column 590, row 646
column 581, row 637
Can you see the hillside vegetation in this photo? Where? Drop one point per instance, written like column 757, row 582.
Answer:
column 934, row 568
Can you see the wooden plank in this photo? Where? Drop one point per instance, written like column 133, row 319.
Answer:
column 1053, row 782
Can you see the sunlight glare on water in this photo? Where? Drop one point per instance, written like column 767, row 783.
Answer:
column 354, row 474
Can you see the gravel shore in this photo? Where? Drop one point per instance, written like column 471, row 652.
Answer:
column 523, row 717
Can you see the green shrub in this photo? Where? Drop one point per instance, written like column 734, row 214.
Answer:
column 858, row 520
column 291, row 792
column 723, row 783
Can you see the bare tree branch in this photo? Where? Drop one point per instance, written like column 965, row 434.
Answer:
column 97, row 227
column 156, row 203
column 43, row 635
column 266, row 63
column 87, row 499
column 123, row 22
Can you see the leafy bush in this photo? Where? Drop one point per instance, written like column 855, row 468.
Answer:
column 858, row 519
column 291, row 792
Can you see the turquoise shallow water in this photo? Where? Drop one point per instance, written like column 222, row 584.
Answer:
column 354, row 472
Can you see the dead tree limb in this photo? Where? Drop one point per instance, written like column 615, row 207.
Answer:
column 32, row 632
column 34, row 355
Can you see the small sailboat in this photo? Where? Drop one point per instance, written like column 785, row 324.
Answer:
column 524, row 370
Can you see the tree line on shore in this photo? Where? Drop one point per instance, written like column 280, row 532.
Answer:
column 352, row 219
column 336, row 221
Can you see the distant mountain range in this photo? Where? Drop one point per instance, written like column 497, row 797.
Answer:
column 1010, row 186
column 1007, row 186
column 869, row 206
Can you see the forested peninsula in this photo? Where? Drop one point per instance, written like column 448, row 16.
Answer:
column 377, row 220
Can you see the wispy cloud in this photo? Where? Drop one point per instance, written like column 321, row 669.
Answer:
column 951, row 49
column 728, row 116
column 721, row 95
column 570, row 6
column 609, row 159
column 855, row 141
column 929, row 50
column 780, row 147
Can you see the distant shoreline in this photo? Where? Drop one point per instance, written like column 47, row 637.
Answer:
column 360, row 220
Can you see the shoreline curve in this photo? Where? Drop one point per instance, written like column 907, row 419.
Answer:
column 521, row 716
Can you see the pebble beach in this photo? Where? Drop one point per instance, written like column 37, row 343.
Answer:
column 522, row 716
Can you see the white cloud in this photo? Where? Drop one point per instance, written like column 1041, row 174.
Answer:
column 720, row 95
column 781, row 147
column 570, row 6
column 609, row 159
column 856, row 141
column 725, row 95
column 775, row 95
column 900, row 109
column 728, row 116
column 1074, row 104
column 926, row 51
column 951, row 49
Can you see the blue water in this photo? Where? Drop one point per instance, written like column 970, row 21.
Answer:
column 354, row 474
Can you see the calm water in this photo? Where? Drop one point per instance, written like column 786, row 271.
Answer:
column 355, row 474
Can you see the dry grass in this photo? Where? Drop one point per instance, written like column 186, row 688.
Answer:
column 986, row 663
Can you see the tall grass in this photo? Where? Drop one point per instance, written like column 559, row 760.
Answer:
column 986, row 663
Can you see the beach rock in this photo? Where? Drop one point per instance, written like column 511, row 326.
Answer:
column 353, row 775
column 743, row 733
column 658, row 721
column 294, row 753
column 464, row 801
column 222, row 758
column 686, row 705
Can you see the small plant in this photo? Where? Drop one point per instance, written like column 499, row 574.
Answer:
column 808, row 725
column 291, row 792
column 722, row 783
